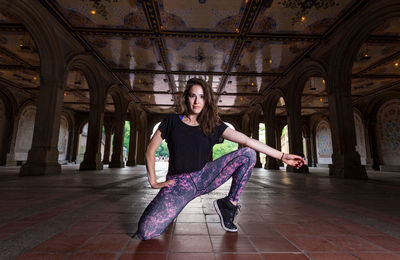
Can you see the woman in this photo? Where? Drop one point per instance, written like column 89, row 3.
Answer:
column 190, row 137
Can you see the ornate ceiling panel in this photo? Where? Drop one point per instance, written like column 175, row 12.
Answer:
column 198, row 54
column 271, row 57
column 245, row 84
column 78, row 107
column 231, row 110
column 232, row 100
column 145, row 82
column 391, row 68
column 391, row 27
column 279, row 19
column 367, row 86
column 156, row 99
column 195, row 15
column 21, row 47
column 161, row 109
column 371, row 53
column 113, row 14
column 127, row 53
column 6, row 17
column 23, row 78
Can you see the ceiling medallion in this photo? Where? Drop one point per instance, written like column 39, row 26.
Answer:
column 99, row 7
column 304, row 7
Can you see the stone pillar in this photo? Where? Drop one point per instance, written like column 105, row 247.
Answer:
column 141, row 148
column 132, row 145
column 309, row 156
column 75, row 143
column 117, row 158
column 345, row 158
column 107, row 146
column 43, row 156
column 92, row 157
column 313, row 151
column 295, row 137
column 270, row 138
column 255, row 129
column 278, row 133
column 372, row 148
column 70, row 144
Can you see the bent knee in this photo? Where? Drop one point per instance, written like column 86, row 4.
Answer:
column 250, row 153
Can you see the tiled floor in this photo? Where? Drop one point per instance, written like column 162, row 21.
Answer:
column 91, row 215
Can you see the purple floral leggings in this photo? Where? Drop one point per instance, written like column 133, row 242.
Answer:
column 170, row 201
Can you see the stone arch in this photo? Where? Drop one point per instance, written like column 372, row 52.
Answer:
column 371, row 16
column 323, row 136
column 23, row 138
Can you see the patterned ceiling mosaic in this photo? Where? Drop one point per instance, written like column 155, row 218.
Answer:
column 154, row 47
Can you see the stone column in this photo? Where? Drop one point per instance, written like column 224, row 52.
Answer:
column 295, row 137
column 70, row 144
column 141, row 147
column 313, row 150
column 278, row 133
column 92, row 157
column 107, row 146
column 345, row 158
column 117, row 158
column 43, row 156
column 255, row 129
column 373, row 154
column 132, row 144
column 309, row 156
column 270, row 139
column 75, row 143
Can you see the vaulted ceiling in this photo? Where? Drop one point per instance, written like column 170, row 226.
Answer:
column 242, row 48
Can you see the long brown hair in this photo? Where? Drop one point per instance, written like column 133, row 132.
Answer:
column 208, row 117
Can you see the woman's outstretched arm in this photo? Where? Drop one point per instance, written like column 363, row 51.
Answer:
column 151, row 162
column 238, row 137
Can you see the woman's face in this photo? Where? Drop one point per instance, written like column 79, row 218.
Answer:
column 196, row 99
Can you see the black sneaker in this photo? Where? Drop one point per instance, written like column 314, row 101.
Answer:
column 226, row 212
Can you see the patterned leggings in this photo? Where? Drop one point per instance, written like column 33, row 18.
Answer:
column 170, row 201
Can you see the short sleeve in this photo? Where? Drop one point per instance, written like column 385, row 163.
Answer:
column 165, row 126
column 220, row 129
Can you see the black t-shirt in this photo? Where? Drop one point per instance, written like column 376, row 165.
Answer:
column 188, row 146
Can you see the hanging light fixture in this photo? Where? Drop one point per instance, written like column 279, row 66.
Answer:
column 304, row 6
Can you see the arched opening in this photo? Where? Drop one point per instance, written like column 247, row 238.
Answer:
column 127, row 130
column 285, row 140
column 225, row 147
column 261, row 138
column 24, row 135
column 63, row 136
column 82, row 143
column 323, row 136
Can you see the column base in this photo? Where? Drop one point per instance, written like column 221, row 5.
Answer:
column 90, row 166
column 38, row 169
column 271, row 164
column 302, row 169
column 118, row 164
column 130, row 163
column 347, row 166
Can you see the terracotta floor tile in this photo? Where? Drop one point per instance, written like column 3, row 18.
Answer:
column 385, row 241
column 212, row 219
column 272, row 244
column 284, row 256
column 42, row 256
column 106, row 242
column 313, row 243
column 332, row 256
column 352, row 243
column 62, row 243
column 143, row 256
column 232, row 244
column 191, row 243
column 323, row 228
column 191, row 256
column 375, row 256
column 120, row 228
column 191, row 217
column 182, row 228
column 238, row 257
column 92, row 256
column 259, row 229
column 158, row 244
column 292, row 229
column 86, row 227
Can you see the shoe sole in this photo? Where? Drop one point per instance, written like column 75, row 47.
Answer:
column 221, row 219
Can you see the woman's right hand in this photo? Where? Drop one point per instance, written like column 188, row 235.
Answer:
column 159, row 185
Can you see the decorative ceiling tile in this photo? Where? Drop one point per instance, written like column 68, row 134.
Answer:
column 315, row 85
column 161, row 109
column 391, row 27
column 278, row 19
column 6, row 17
column 120, row 14
column 127, row 53
column 231, row 110
column 156, row 99
column 201, row 15
column 366, row 86
column 76, row 80
column 246, row 84
column 23, row 78
column 225, row 100
column 392, row 68
column 78, row 107
column 198, row 54
column 22, row 46
column 269, row 57
column 146, row 82
column 371, row 53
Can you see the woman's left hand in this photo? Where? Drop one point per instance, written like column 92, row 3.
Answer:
column 293, row 160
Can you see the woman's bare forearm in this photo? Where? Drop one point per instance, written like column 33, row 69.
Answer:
column 151, row 168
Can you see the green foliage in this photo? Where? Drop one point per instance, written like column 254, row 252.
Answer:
column 127, row 131
column 163, row 150
column 261, row 133
column 224, row 148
